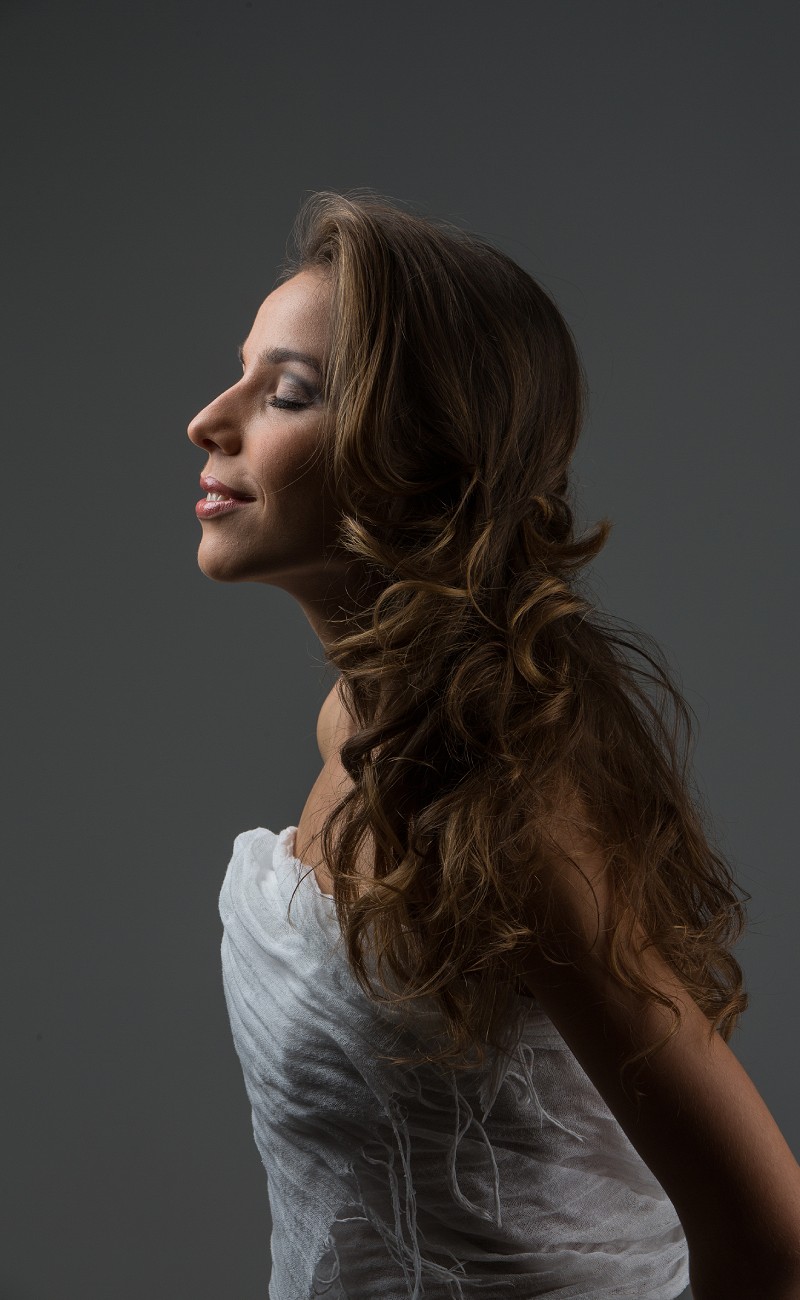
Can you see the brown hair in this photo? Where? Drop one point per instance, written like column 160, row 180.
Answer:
column 486, row 689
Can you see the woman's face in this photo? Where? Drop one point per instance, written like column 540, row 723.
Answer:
column 261, row 438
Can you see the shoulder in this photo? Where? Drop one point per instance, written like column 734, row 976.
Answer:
column 333, row 723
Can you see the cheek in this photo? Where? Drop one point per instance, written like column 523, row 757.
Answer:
column 290, row 470
column 295, row 502
column 286, row 465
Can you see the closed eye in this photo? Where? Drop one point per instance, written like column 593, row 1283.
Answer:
column 284, row 404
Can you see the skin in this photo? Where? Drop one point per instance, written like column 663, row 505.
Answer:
column 286, row 536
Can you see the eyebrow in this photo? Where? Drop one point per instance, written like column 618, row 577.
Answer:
column 274, row 356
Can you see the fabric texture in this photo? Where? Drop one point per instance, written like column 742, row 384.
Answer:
column 403, row 1182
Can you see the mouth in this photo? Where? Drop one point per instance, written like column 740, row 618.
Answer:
column 219, row 499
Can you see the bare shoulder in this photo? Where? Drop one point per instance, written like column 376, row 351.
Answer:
column 332, row 782
column 333, row 723
column 701, row 1125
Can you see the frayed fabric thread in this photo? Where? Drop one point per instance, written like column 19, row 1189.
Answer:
column 403, row 1240
column 526, row 1092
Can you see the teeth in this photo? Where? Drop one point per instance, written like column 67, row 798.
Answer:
column 216, row 496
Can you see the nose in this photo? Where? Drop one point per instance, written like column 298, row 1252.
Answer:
column 216, row 426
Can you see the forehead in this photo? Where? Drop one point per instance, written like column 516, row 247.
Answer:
column 296, row 313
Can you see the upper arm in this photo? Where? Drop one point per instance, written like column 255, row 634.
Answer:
column 700, row 1124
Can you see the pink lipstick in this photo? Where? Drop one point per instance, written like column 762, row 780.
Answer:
column 221, row 499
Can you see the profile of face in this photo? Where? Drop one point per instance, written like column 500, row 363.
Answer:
column 261, row 437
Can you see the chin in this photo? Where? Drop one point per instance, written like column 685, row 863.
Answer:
column 222, row 564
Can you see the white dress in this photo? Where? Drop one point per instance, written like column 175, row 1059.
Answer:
column 398, row 1183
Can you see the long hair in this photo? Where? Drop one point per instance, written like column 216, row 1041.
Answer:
column 485, row 688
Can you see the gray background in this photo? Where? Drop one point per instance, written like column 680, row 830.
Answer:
column 639, row 159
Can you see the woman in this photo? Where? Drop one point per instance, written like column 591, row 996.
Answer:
column 482, row 992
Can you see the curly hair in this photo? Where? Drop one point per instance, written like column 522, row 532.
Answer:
column 487, row 691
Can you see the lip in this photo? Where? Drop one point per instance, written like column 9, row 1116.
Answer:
column 235, row 499
column 206, row 509
column 210, row 484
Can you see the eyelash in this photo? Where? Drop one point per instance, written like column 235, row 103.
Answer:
column 284, row 404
